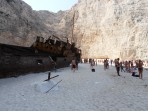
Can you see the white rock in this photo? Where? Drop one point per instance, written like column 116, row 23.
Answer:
column 43, row 87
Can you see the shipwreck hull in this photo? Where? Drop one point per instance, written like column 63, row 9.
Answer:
column 16, row 60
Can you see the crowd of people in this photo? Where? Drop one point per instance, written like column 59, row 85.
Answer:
column 127, row 66
column 120, row 66
column 131, row 66
column 123, row 66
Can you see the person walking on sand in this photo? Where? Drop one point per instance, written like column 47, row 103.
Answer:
column 77, row 64
column 121, row 66
column 126, row 66
column 92, row 63
column 73, row 64
column 117, row 65
column 105, row 64
column 140, row 68
column 111, row 61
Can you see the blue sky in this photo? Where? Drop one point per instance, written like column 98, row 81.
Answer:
column 51, row 5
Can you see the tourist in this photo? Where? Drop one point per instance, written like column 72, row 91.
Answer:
column 73, row 64
column 92, row 63
column 126, row 66
column 105, row 64
column 140, row 68
column 133, row 71
column 121, row 66
column 77, row 64
column 111, row 61
column 117, row 65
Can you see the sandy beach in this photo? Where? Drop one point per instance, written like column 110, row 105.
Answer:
column 82, row 90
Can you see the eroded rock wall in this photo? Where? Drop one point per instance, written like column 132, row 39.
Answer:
column 19, row 24
column 113, row 28
column 117, row 28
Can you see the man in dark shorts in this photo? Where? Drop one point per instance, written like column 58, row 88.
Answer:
column 117, row 65
column 140, row 69
column 73, row 63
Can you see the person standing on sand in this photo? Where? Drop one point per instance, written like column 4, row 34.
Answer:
column 140, row 69
column 126, row 66
column 73, row 64
column 111, row 61
column 77, row 64
column 121, row 66
column 117, row 65
column 96, row 62
column 105, row 64
column 92, row 63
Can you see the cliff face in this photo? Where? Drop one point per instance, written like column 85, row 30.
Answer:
column 116, row 28
column 19, row 24
column 59, row 23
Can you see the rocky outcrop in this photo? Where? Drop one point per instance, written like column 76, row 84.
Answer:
column 117, row 28
column 19, row 24
column 113, row 28
column 59, row 23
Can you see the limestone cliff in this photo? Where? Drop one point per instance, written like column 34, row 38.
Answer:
column 60, row 23
column 113, row 28
column 19, row 24
column 116, row 28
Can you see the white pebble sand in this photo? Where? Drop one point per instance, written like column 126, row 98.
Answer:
column 82, row 90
